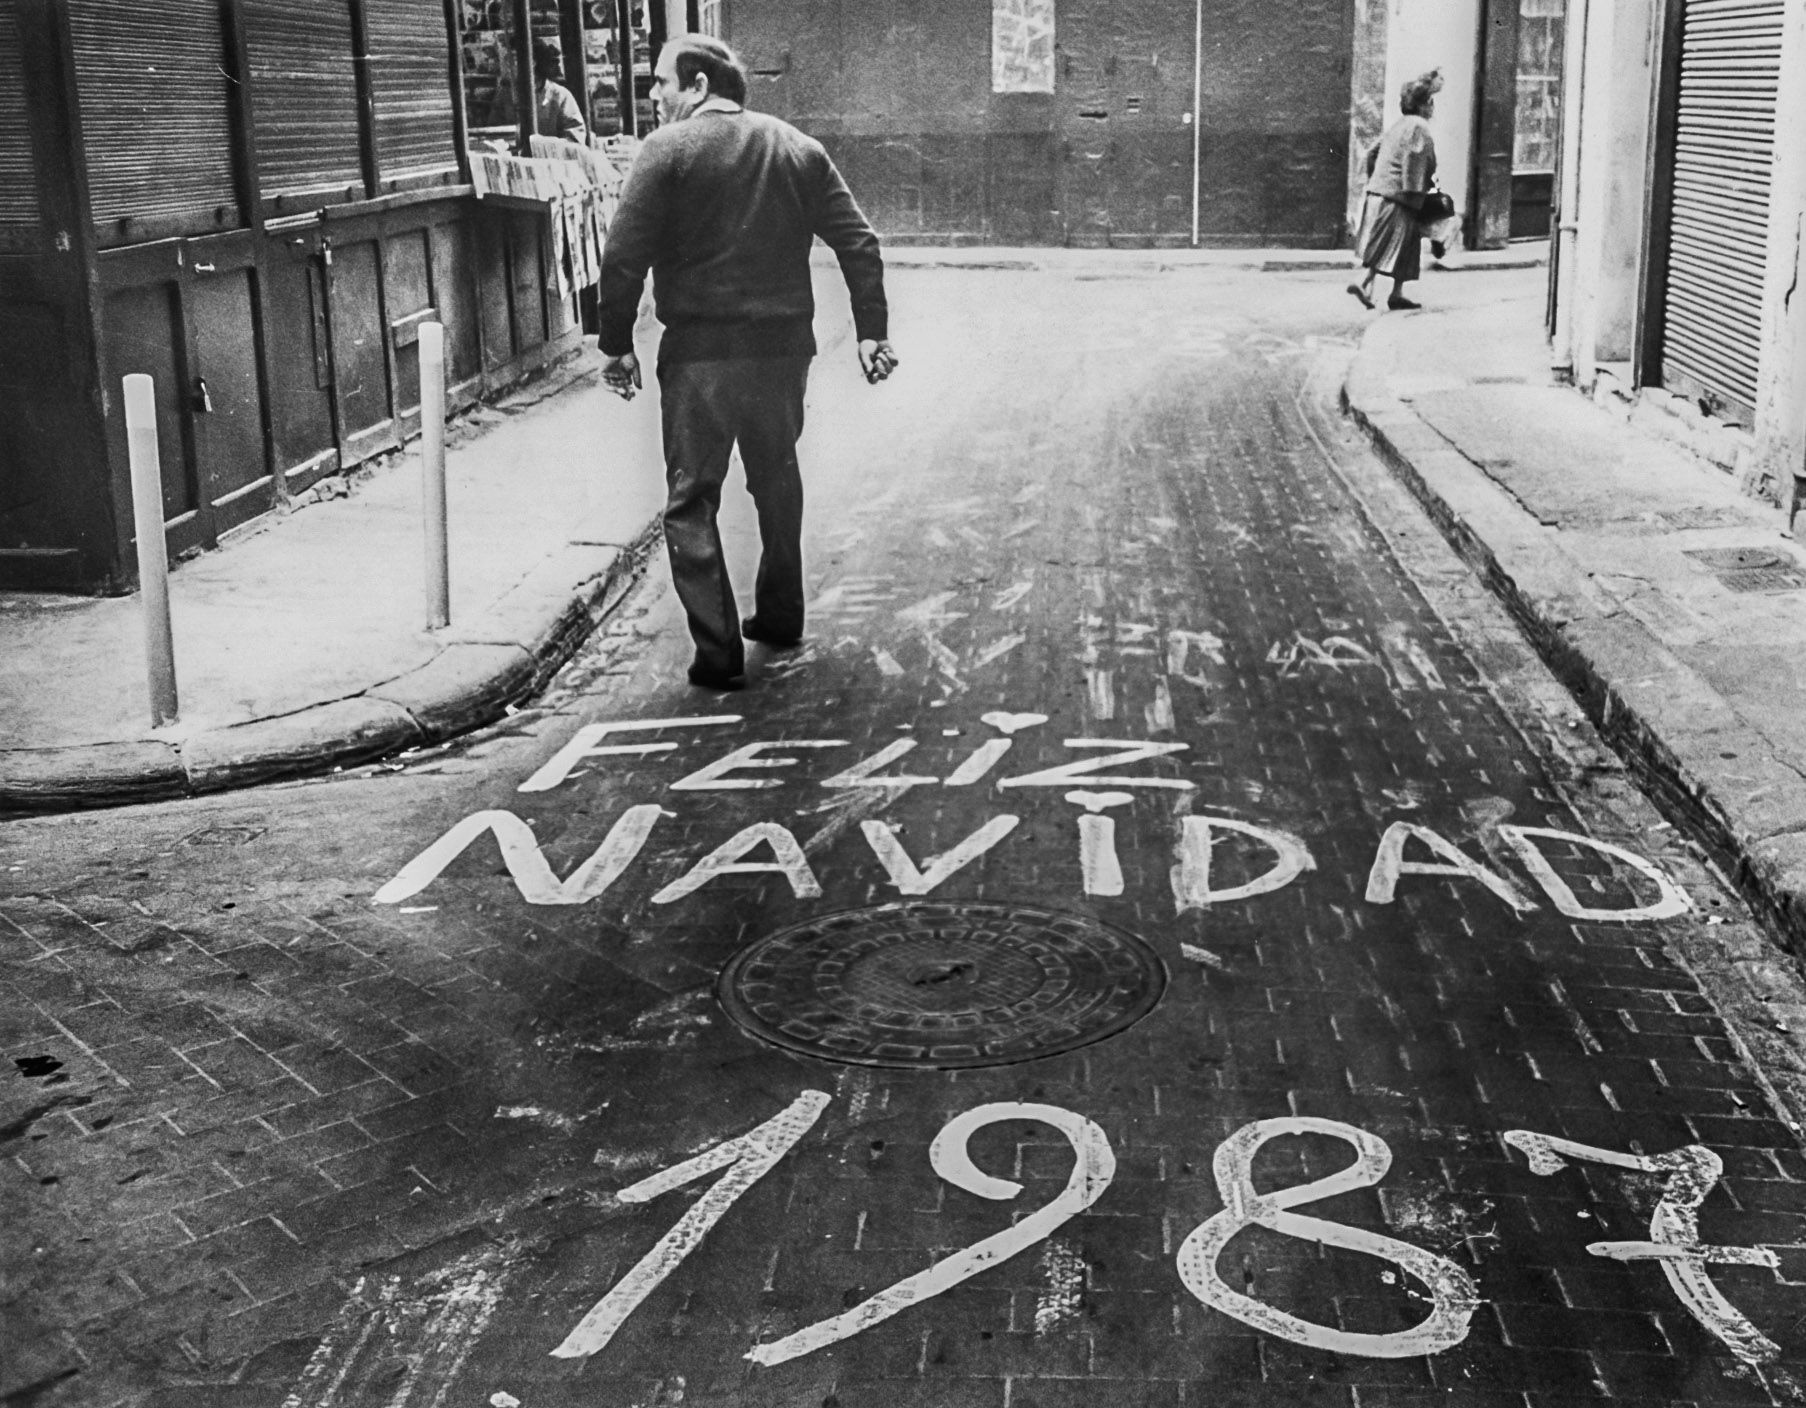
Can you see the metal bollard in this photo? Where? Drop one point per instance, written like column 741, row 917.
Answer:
column 153, row 551
column 432, row 469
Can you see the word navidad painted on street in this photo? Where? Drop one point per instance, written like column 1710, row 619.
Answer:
column 869, row 781
column 1687, row 1176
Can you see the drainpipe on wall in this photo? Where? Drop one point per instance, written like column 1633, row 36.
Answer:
column 1573, row 87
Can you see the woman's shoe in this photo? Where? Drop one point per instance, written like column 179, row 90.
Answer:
column 1362, row 294
column 1401, row 305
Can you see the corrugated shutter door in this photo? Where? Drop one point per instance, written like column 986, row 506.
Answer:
column 304, row 97
column 410, row 77
column 18, row 174
column 1723, row 165
column 155, row 110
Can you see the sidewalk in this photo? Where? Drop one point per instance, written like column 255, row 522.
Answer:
column 301, row 644
column 1670, row 602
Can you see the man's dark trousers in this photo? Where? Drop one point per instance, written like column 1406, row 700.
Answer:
column 708, row 406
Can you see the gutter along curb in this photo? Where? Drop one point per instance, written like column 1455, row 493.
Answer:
column 1706, row 767
column 505, row 657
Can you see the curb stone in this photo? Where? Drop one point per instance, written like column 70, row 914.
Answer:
column 1674, row 731
column 502, row 659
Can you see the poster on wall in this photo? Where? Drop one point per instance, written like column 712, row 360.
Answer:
column 1022, row 46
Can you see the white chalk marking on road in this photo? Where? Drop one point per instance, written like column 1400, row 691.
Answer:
column 1453, row 1295
column 861, row 773
column 751, row 1156
column 1689, row 1173
column 1012, row 594
column 997, row 649
column 931, row 611
column 1094, row 1165
column 714, row 777
column 887, row 663
column 1100, row 694
column 853, row 596
column 938, row 538
column 1059, row 1301
column 1203, row 956
column 1011, row 723
column 1028, row 525
column 1028, row 494
column 586, row 742
column 983, row 758
column 1333, row 653
column 464, row 1312
column 1086, row 770
column 527, row 865
column 945, row 660
column 553, row 1118
column 1419, row 658
column 1672, row 898
column 789, row 861
column 977, row 539
column 1179, row 646
column 911, row 880
column 1159, row 714
column 1098, row 861
column 1191, row 876
column 1389, row 863
column 330, row 1356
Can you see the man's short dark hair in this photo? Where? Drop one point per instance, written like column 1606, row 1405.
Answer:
column 699, row 53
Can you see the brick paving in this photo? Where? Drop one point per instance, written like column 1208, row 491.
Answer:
column 305, row 1149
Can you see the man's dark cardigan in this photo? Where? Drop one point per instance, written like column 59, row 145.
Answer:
column 722, row 207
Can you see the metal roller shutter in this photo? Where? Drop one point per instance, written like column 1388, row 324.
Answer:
column 1723, row 165
column 18, row 175
column 151, row 77
column 304, row 101
column 410, row 77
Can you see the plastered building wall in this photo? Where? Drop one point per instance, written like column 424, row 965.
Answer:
column 900, row 91
column 1427, row 34
column 1780, row 452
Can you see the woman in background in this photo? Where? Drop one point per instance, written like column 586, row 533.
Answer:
column 1401, row 172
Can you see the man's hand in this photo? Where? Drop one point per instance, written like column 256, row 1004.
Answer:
column 621, row 375
column 877, row 360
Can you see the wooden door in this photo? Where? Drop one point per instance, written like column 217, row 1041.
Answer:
column 142, row 333
column 360, row 361
column 225, row 387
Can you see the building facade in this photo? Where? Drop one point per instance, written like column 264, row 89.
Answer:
column 258, row 202
column 1677, row 268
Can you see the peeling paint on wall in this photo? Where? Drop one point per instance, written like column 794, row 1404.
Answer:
column 1022, row 46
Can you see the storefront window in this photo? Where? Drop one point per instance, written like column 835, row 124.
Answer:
column 1540, row 30
column 605, row 50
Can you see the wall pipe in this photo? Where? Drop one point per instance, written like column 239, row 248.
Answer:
column 1197, row 120
column 1567, row 229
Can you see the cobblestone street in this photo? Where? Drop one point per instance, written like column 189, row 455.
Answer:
column 1163, row 940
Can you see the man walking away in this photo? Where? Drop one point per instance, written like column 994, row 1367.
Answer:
column 722, row 205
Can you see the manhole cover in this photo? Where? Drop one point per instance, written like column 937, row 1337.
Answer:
column 941, row 986
column 1738, row 559
column 1751, row 569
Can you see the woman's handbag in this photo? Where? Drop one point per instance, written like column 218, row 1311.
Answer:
column 1437, row 206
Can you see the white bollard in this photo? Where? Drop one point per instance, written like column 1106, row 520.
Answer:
column 153, row 551
column 432, row 469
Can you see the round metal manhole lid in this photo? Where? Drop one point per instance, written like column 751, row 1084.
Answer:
column 941, row 986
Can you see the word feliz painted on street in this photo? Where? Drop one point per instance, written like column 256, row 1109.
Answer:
column 1687, row 1175
column 869, row 781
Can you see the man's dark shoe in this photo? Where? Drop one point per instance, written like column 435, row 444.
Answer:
column 715, row 679
column 753, row 630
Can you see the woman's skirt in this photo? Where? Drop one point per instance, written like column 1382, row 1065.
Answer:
column 1390, row 240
